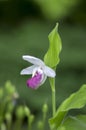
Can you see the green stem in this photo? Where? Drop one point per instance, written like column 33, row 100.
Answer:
column 8, row 125
column 52, row 83
column 53, row 102
column 30, row 121
column 44, row 120
column 18, row 124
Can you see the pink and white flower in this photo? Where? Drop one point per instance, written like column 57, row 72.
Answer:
column 38, row 70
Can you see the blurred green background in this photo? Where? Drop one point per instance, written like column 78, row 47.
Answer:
column 24, row 29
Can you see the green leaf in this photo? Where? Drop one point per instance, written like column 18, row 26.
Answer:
column 74, row 101
column 74, row 123
column 51, row 58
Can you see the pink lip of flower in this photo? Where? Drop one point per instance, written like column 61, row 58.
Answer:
column 38, row 70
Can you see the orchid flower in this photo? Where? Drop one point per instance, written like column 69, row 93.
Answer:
column 38, row 70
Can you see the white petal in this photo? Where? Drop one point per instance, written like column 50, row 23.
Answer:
column 33, row 60
column 43, row 80
column 49, row 72
column 28, row 70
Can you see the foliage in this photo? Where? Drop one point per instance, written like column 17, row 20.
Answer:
column 16, row 11
column 53, row 9
column 78, row 122
column 10, row 108
column 52, row 56
column 74, row 123
column 75, row 101
column 71, row 70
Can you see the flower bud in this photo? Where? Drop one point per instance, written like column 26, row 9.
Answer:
column 10, row 107
column 3, row 126
column 10, row 89
column 40, row 125
column 8, row 116
column 45, row 108
column 27, row 111
column 15, row 95
column 31, row 118
column 20, row 112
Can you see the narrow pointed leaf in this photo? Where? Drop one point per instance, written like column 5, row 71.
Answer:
column 51, row 58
